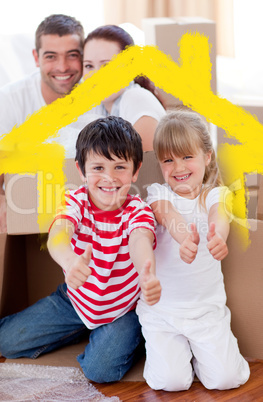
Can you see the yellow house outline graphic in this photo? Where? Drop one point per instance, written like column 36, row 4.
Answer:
column 22, row 150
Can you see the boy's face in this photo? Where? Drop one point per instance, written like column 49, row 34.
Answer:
column 108, row 181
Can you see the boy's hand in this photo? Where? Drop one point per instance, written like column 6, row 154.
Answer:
column 189, row 247
column 216, row 244
column 79, row 271
column 150, row 285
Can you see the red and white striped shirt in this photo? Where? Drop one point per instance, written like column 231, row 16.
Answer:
column 112, row 289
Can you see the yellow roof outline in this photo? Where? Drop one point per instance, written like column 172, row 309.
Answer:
column 188, row 81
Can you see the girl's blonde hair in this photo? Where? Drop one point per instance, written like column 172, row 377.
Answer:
column 184, row 132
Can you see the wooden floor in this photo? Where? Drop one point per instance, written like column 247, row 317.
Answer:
column 140, row 392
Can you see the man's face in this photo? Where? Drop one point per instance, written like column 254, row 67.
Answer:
column 60, row 62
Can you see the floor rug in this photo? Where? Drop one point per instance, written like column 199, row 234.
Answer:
column 20, row 382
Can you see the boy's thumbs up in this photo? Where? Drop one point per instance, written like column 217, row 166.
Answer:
column 87, row 253
column 146, row 271
column 150, row 285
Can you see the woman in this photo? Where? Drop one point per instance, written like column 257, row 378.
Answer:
column 136, row 103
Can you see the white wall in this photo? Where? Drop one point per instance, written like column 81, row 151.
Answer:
column 241, row 77
column 23, row 16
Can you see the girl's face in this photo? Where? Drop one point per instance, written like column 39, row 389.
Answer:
column 97, row 53
column 185, row 174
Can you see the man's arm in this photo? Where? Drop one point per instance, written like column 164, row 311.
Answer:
column 141, row 253
column 76, row 267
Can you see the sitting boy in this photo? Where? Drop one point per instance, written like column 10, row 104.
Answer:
column 103, row 240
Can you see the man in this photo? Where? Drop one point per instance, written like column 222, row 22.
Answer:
column 58, row 54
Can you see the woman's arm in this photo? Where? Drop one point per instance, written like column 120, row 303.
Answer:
column 146, row 126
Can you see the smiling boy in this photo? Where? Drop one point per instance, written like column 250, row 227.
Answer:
column 103, row 239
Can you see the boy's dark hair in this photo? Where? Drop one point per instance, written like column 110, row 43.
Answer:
column 58, row 24
column 109, row 136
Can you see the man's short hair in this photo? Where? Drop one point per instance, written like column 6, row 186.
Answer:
column 58, row 24
column 109, row 136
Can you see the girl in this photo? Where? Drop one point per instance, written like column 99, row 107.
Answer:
column 188, row 331
column 138, row 102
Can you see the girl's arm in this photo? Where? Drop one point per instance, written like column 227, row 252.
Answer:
column 76, row 267
column 218, row 222
column 142, row 256
column 168, row 216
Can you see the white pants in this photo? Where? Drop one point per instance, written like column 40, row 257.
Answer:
column 174, row 346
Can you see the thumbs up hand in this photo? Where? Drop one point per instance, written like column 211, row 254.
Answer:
column 189, row 247
column 78, row 270
column 150, row 285
column 216, row 244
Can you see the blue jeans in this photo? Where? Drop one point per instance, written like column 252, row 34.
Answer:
column 52, row 322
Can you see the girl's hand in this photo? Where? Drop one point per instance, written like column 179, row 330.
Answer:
column 78, row 270
column 150, row 285
column 189, row 247
column 216, row 244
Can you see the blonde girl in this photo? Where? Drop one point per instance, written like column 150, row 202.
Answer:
column 188, row 331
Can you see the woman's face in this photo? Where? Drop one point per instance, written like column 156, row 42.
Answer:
column 97, row 53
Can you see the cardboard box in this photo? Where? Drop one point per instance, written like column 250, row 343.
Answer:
column 22, row 199
column 243, row 275
column 166, row 34
column 260, row 199
column 13, row 275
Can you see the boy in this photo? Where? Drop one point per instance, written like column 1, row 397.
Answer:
column 103, row 239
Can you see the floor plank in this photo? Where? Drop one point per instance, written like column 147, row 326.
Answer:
column 140, row 392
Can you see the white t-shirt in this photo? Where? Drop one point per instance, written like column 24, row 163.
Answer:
column 187, row 289
column 134, row 103
column 19, row 100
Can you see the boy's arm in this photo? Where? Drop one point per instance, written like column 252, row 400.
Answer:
column 141, row 253
column 168, row 216
column 76, row 267
column 218, row 222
